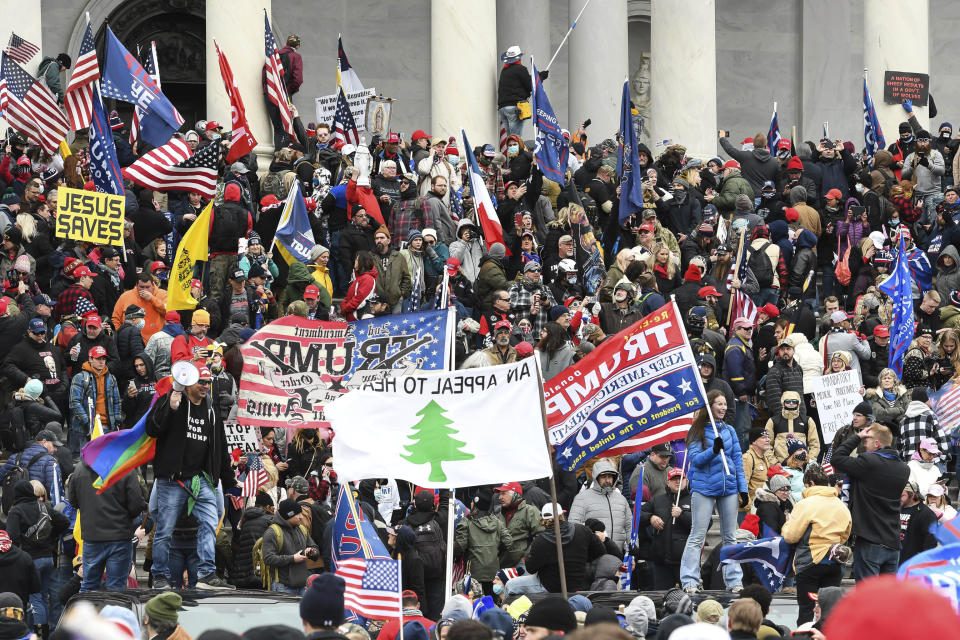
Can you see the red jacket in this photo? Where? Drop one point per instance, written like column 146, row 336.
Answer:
column 184, row 347
column 293, row 78
column 363, row 196
column 392, row 628
column 362, row 287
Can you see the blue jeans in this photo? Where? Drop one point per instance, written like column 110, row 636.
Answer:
column 171, row 498
column 741, row 423
column 46, row 603
column 521, row 585
column 767, row 294
column 701, row 508
column 510, row 116
column 181, row 560
column 871, row 559
column 282, row 588
column 114, row 557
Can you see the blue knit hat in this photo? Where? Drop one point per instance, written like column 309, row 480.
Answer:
column 945, row 124
column 322, row 602
column 794, row 444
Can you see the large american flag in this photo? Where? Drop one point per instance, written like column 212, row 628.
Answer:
column 150, row 66
column 947, row 406
column 78, row 99
column 21, row 50
column 171, row 167
column 675, row 429
column 373, row 586
column 743, row 307
column 344, row 127
column 256, row 475
column 29, row 106
column 276, row 90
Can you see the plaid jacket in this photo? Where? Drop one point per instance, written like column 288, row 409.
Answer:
column 67, row 301
column 919, row 423
column 405, row 215
column 521, row 299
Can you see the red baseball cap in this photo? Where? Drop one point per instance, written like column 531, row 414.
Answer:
column 731, row 164
column 771, row 310
column 570, row 300
column 171, row 316
column 205, row 372
column 502, row 324
column 708, row 291
column 392, row 138
column 674, row 472
column 97, row 351
column 418, row 134
column 453, row 264
column 213, row 124
column 196, row 284
column 93, row 319
column 83, row 270
column 156, row 265
column 881, row 331
column 312, row 292
column 510, row 486
column 524, row 349
column 648, row 226
column 834, row 194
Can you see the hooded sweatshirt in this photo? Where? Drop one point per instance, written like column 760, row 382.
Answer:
column 817, row 522
column 606, row 504
column 791, row 422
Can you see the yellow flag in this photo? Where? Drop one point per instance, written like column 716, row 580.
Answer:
column 193, row 247
column 65, row 150
column 97, row 428
column 78, row 535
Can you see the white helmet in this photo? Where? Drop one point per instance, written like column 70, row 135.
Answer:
column 567, row 265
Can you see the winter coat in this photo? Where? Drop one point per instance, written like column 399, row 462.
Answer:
column 919, row 422
column 521, row 300
column 888, row 411
column 40, row 360
column 155, row 310
column 553, row 364
column 169, row 427
column 25, row 513
column 514, row 85
column 159, row 348
column 817, row 522
column 18, row 575
column 707, row 476
column 781, row 428
column 289, row 573
column 605, row 504
column 86, row 343
column 780, row 234
column 804, row 260
column 579, row 546
column 927, row 177
column 614, row 319
column 842, row 340
column 524, row 525
column 117, row 511
column 393, row 281
column 358, row 293
column 877, row 481
column 917, row 536
column 482, row 537
column 50, row 70
column 45, row 470
column 83, row 389
column 757, row 165
column 733, row 185
column 353, row 240
column 669, row 542
column 948, row 278
column 13, row 327
column 755, row 471
column 469, row 253
column 129, row 342
column 739, row 367
column 771, row 510
column 491, row 278
column 252, row 526
column 780, row 379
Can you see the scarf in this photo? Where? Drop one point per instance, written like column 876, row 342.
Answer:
column 113, row 273
column 889, row 396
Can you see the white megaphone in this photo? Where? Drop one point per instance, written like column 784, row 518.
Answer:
column 184, row 375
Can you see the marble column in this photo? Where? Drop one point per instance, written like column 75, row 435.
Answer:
column 26, row 24
column 237, row 26
column 463, row 70
column 525, row 23
column 598, row 66
column 684, row 106
column 901, row 48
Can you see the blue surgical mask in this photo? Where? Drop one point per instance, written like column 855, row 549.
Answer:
column 572, row 279
column 513, row 149
column 497, row 589
column 454, row 160
column 139, row 323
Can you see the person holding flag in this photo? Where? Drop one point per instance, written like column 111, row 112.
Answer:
column 670, row 516
column 898, row 287
column 552, row 149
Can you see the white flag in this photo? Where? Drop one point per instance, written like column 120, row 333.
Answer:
column 449, row 429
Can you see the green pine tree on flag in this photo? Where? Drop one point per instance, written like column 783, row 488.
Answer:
column 432, row 443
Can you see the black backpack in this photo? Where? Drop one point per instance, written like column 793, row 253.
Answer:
column 759, row 263
column 39, row 533
column 285, row 63
column 431, row 546
column 18, row 473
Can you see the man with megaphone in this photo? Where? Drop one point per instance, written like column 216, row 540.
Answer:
column 191, row 460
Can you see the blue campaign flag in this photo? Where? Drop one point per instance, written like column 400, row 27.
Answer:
column 626, row 578
column 353, row 534
column 402, row 341
column 294, row 237
column 946, row 532
column 124, row 78
column 872, row 134
column 631, row 191
column 552, row 149
column 938, row 567
column 773, row 134
column 897, row 286
column 769, row 556
column 104, row 167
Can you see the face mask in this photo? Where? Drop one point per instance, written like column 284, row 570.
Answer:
column 454, row 160
column 216, row 368
column 140, row 323
column 945, row 135
column 513, row 150
column 572, row 279
column 378, row 495
column 497, row 589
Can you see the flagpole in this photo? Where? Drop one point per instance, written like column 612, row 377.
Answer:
column 567, row 35
column 400, row 590
column 683, row 468
column 451, row 519
column 736, row 275
column 553, row 483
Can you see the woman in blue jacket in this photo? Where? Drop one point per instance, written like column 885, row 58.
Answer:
column 710, row 485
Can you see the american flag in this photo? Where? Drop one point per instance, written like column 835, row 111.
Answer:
column 29, row 106
column 373, row 586
column 825, row 465
column 78, row 99
column 675, row 429
column 21, row 50
column 256, row 476
column 739, row 264
column 947, row 406
column 503, row 137
column 344, row 128
column 150, row 66
column 171, row 167
column 743, row 307
column 276, row 91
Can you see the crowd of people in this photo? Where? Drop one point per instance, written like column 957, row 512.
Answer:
column 86, row 339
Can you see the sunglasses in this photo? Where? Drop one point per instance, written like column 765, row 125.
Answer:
column 328, row 464
column 533, row 270
column 504, row 299
column 205, row 383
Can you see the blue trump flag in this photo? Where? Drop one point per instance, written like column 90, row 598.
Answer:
column 631, row 192
column 872, row 134
column 552, row 149
column 773, row 134
column 294, row 237
column 104, row 168
column 404, row 340
column 897, row 286
column 946, row 532
column 353, row 534
column 124, row 78
column 769, row 556
column 938, row 567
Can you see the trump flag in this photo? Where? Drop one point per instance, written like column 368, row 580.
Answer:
column 552, row 149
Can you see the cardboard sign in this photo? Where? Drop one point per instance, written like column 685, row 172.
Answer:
column 243, row 437
column 90, row 216
column 903, row 85
column 836, row 395
column 327, row 105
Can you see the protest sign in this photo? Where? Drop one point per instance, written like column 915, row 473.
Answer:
column 327, row 105
column 90, row 216
column 243, row 437
column 903, row 85
column 836, row 395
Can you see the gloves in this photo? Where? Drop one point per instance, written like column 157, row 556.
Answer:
column 431, row 252
column 743, row 499
column 544, row 74
column 717, row 444
column 924, row 161
column 907, row 105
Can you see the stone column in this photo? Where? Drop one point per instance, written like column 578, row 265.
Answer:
column 238, row 27
column 525, row 23
column 683, row 76
column 463, row 70
column 904, row 47
column 598, row 66
column 827, row 94
column 27, row 26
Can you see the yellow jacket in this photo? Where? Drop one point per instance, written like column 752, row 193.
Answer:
column 321, row 275
column 755, row 468
column 818, row 521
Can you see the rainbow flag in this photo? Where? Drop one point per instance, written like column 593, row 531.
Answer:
column 115, row 454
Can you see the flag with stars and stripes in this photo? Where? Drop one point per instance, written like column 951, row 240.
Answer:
column 172, row 167
column 344, row 126
column 743, row 307
column 21, row 50
column 273, row 72
column 770, row 556
column 150, row 66
column 256, row 475
column 372, row 586
column 28, row 105
column 78, row 99
column 773, row 133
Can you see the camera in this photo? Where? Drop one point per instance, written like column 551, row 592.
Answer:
column 587, row 123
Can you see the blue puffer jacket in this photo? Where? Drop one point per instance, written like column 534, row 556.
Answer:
column 45, row 469
column 739, row 368
column 706, row 467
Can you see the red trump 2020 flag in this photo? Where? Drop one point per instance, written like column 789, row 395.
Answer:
column 243, row 140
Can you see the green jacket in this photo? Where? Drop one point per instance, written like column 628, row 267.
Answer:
column 482, row 537
column 726, row 200
column 523, row 526
column 51, row 76
column 950, row 316
column 491, row 278
column 394, row 282
column 298, row 278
